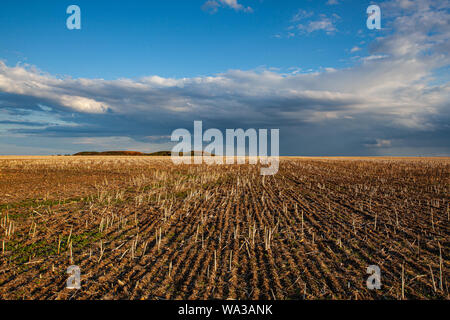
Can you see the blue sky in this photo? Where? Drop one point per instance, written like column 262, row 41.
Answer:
column 137, row 70
column 174, row 38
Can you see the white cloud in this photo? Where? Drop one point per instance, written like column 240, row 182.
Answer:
column 235, row 5
column 212, row 6
column 323, row 23
column 31, row 82
column 307, row 22
column 302, row 14
column 374, row 57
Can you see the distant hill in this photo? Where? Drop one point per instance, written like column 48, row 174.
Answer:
column 160, row 153
column 132, row 153
column 110, row 153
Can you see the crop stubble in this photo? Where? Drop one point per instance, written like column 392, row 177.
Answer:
column 144, row 228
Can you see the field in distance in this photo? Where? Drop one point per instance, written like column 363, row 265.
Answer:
column 144, row 228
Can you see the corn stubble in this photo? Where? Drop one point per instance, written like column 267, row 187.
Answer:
column 144, row 228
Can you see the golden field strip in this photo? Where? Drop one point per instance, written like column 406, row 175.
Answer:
column 144, row 228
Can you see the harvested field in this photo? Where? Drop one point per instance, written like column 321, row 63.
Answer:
column 144, row 228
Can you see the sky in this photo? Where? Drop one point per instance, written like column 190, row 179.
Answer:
column 137, row 70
